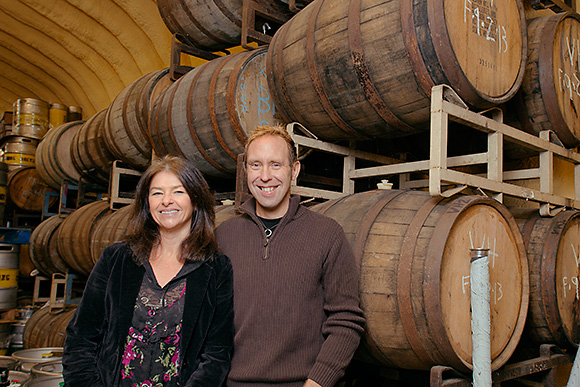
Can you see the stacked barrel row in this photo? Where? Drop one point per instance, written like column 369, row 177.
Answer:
column 362, row 70
column 29, row 122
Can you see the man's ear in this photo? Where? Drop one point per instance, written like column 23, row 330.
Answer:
column 295, row 170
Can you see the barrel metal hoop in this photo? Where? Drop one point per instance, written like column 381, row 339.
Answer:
column 231, row 97
column 134, row 141
column 191, row 127
column 412, row 47
column 548, row 275
column 282, row 90
column 315, row 75
column 211, row 101
column 547, row 81
column 198, row 25
column 362, row 71
column 227, row 13
column 404, row 271
column 360, row 241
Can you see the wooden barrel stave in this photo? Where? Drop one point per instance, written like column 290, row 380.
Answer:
column 53, row 155
column 125, row 128
column 74, row 236
column 110, row 228
column 410, row 248
column 90, row 156
column 43, row 325
column 43, row 247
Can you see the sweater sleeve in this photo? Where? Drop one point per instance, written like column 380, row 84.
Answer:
column 345, row 323
column 85, row 331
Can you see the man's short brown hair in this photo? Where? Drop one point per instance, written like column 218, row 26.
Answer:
column 273, row 130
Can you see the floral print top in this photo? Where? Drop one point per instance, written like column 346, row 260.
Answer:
column 151, row 356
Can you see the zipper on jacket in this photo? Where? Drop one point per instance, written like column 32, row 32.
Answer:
column 266, row 249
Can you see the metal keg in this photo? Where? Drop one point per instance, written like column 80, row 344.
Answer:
column 30, row 357
column 57, row 115
column 51, row 368
column 19, row 151
column 75, row 113
column 9, row 268
column 9, row 362
column 17, row 340
column 3, row 193
column 30, row 118
column 18, row 378
column 45, row 381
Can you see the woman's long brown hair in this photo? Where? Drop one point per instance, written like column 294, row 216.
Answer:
column 143, row 233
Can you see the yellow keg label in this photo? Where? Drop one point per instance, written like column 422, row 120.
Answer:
column 20, row 159
column 32, row 119
column 8, row 278
column 2, row 194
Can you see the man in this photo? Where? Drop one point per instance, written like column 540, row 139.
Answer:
column 296, row 296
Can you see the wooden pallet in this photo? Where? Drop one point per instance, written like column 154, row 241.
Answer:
column 446, row 106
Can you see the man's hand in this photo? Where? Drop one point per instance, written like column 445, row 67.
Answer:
column 311, row 383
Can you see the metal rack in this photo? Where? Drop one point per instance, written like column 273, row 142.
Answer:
column 443, row 180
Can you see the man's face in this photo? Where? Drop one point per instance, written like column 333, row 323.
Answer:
column 270, row 175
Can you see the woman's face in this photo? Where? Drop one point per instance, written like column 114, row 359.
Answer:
column 169, row 203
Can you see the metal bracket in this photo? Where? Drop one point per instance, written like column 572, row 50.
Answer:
column 181, row 45
column 268, row 18
column 555, row 6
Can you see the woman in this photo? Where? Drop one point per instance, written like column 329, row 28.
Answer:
column 157, row 308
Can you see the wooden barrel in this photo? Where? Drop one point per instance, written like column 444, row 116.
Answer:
column 90, row 156
column 126, row 130
column 26, row 189
column 30, row 118
column 18, row 151
column 365, row 69
column 74, row 236
column 53, row 155
column 46, row 328
column 207, row 114
column 209, row 24
column 413, row 251
column 43, row 249
column 212, row 25
column 110, row 228
column 552, row 245
column 551, row 85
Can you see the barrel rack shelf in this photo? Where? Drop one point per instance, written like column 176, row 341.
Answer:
column 443, row 180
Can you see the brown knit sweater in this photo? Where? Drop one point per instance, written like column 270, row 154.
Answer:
column 296, row 299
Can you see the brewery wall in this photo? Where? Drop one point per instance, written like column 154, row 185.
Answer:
column 353, row 74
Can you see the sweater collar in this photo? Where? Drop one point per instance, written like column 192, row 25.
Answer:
column 249, row 207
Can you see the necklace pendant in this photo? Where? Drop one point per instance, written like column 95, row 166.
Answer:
column 268, row 233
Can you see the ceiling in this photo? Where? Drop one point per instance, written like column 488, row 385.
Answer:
column 78, row 52
column 81, row 52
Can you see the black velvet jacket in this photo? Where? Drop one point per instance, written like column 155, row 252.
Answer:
column 96, row 335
